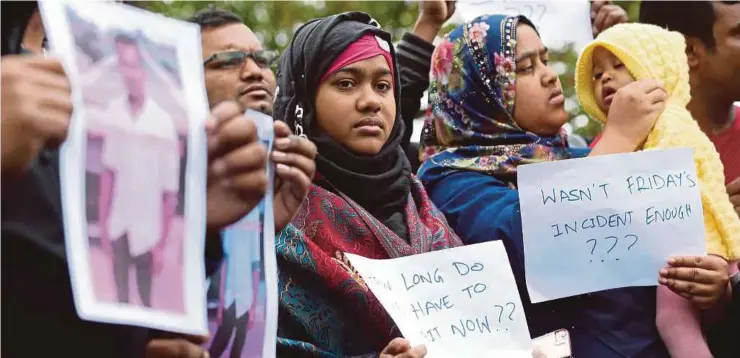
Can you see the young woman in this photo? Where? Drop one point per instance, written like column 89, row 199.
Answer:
column 496, row 105
column 338, row 86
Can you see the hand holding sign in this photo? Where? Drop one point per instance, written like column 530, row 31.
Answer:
column 608, row 221
column 401, row 348
column 460, row 302
column 700, row 279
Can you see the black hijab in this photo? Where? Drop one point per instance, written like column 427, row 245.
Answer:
column 379, row 183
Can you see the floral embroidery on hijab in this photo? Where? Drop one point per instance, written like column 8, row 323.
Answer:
column 472, row 92
column 506, row 78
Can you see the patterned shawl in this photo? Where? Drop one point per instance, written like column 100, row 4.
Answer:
column 469, row 123
column 326, row 310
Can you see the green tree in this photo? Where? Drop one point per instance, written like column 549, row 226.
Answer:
column 275, row 21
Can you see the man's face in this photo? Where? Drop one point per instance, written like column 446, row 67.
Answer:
column 719, row 69
column 131, row 68
column 252, row 85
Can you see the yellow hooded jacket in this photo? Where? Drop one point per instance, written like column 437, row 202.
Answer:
column 650, row 52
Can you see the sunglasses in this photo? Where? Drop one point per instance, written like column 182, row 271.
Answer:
column 237, row 59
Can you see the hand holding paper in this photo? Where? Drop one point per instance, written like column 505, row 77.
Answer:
column 699, row 279
column 294, row 157
column 237, row 178
column 400, row 347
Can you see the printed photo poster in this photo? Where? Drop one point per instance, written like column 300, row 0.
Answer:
column 133, row 167
column 242, row 306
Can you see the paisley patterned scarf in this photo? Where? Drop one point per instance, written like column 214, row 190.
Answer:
column 470, row 120
column 326, row 310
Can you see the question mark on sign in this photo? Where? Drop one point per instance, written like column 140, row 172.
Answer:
column 616, row 240
column 633, row 243
column 513, row 307
column 593, row 248
column 500, row 312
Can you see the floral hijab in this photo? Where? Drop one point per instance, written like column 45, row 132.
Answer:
column 470, row 120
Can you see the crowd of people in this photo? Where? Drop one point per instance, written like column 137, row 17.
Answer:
column 346, row 182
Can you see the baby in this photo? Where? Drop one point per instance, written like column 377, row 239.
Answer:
column 629, row 52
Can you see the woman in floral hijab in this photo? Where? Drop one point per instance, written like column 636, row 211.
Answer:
column 495, row 105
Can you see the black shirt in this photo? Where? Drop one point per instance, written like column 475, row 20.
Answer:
column 38, row 313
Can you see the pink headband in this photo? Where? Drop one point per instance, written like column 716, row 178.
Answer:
column 365, row 47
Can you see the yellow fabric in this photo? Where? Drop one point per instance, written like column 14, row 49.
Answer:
column 650, row 52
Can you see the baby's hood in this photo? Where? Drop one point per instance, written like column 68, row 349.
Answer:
column 648, row 52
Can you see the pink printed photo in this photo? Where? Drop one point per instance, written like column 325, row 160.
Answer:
column 135, row 167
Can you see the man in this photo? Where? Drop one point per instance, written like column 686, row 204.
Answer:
column 137, row 209
column 711, row 30
column 36, row 107
column 237, row 67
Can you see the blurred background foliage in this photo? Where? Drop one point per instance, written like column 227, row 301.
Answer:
column 275, row 21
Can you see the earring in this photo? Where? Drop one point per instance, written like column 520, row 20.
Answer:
column 299, row 121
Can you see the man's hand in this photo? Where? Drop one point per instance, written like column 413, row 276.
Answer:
column 699, row 279
column 237, row 177
column 604, row 15
column 733, row 189
column 432, row 15
column 177, row 347
column 401, row 348
column 36, row 108
column 295, row 168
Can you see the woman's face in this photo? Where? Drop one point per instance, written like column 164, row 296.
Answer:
column 539, row 102
column 356, row 106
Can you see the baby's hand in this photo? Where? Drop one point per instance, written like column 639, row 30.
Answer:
column 699, row 279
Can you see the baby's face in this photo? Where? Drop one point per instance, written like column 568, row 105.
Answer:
column 610, row 74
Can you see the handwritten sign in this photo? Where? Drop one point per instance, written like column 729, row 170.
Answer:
column 606, row 222
column 558, row 22
column 460, row 302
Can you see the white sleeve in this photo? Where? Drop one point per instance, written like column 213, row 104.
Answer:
column 170, row 166
column 170, row 155
column 111, row 151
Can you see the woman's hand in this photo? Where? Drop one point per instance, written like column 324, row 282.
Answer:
column 401, row 348
column 702, row 280
column 632, row 114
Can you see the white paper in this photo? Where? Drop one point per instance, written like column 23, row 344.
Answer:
column 460, row 302
column 242, row 293
column 120, row 272
column 558, row 22
column 619, row 232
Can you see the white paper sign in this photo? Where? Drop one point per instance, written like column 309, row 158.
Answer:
column 558, row 22
column 460, row 302
column 606, row 222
